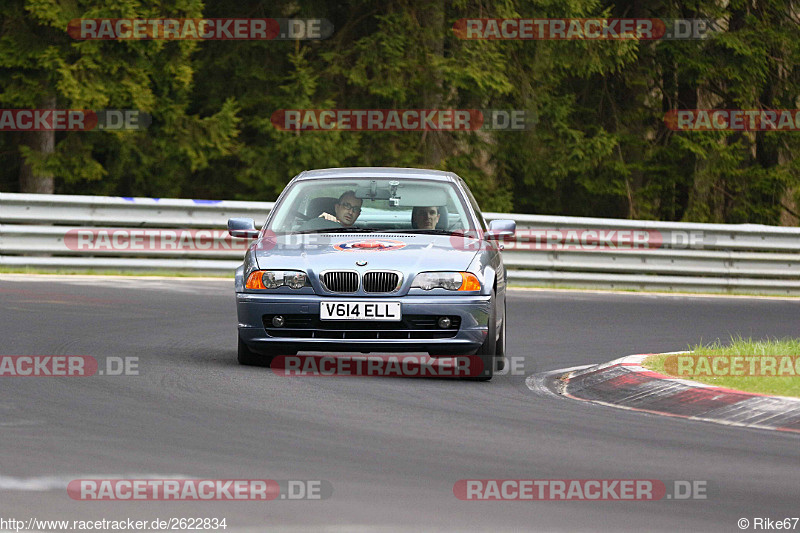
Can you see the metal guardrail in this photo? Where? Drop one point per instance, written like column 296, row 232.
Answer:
column 35, row 232
column 118, row 211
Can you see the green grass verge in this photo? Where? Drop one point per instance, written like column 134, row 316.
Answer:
column 518, row 285
column 84, row 272
column 775, row 385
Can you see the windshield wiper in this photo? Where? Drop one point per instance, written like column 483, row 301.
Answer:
column 459, row 233
column 340, row 230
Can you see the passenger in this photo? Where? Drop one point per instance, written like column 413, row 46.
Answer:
column 347, row 208
column 424, row 217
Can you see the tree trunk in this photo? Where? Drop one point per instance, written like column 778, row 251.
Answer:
column 43, row 143
column 789, row 202
column 435, row 30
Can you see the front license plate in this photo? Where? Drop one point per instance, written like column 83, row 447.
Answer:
column 360, row 311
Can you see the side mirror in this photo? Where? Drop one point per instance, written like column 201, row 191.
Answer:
column 244, row 228
column 501, row 229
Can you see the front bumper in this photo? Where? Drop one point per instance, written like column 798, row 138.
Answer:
column 473, row 312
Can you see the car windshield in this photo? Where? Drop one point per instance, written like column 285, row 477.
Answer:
column 371, row 205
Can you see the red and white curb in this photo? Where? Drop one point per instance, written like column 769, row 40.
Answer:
column 626, row 384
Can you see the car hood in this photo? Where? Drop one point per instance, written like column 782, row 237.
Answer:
column 393, row 251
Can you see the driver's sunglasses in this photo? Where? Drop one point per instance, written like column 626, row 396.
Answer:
column 352, row 208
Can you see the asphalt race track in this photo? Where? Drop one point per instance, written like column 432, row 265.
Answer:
column 392, row 448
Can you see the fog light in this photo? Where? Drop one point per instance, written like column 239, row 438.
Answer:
column 278, row 321
column 444, row 322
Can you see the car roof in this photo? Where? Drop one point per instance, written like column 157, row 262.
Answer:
column 377, row 172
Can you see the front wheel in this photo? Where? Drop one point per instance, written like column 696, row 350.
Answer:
column 501, row 343
column 488, row 349
column 248, row 357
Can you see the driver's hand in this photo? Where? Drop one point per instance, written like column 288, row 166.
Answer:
column 328, row 216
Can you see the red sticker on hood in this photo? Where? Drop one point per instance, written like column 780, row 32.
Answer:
column 369, row 245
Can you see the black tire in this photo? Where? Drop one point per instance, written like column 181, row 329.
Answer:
column 247, row 357
column 501, row 344
column 488, row 349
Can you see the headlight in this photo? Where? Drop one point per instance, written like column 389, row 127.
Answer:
column 272, row 279
column 295, row 280
column 452, row 281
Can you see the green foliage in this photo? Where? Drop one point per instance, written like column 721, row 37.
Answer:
column 600, row 146
column 39, row 61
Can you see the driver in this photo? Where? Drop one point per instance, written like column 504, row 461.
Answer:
column 424, row 217
column 347, row 209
